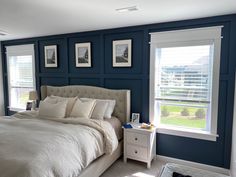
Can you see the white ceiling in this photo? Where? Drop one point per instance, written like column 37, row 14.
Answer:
column 31, row 18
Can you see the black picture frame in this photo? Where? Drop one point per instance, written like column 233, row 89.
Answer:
column 28, row 106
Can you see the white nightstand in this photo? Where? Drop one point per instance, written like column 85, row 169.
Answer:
column 140, row 144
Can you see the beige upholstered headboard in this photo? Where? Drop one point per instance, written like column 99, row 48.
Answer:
column 122, row 97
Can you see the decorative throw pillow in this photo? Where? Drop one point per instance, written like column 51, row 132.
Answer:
column 110, row 106
column 175, row 174
column 83, row 108
column 70, row 102
column 99, row 110
column 52, row 110
column 50, row 99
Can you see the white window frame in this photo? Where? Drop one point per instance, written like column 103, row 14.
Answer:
column 188, row 37
column 19, row 50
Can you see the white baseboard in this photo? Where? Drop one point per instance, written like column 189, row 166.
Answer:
column 194, row 164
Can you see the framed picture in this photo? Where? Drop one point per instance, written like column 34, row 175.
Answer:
column 135, row 118
column 122, row 53
column 50, row 56
column 28, row 106
column 83, row 54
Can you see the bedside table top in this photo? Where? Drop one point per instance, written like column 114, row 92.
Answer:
column 137, row 127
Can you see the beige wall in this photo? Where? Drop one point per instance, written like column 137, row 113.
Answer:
column 233, row 155
column 1, row 86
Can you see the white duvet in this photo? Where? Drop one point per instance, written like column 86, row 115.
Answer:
column 31, row 147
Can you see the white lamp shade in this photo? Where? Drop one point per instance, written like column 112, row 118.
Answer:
column 33, row 95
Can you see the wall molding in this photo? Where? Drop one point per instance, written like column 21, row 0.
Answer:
column 137, row 78
column 194, row 164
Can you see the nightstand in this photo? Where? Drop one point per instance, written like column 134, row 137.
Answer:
column 139, row 144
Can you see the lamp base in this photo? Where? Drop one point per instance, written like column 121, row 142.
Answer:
column 33, row 105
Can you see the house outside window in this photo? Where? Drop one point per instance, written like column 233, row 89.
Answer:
column 184, row 82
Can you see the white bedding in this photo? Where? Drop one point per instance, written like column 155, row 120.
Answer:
column 32, row 147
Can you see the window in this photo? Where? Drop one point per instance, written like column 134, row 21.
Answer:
column 184, row 82
column 21, row 75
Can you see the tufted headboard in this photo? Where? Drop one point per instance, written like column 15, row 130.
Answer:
column 122, row 97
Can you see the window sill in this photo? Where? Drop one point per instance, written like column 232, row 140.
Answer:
column 16, row 109
column 184, row 132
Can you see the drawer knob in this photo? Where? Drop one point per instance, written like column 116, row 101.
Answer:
column 135, row 151
column 135, row 139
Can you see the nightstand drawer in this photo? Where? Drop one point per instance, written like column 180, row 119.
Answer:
column 137, row 152
column 137, row 138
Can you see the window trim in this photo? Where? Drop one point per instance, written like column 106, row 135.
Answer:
column 188, row 37
column 185, row 132
column 19, row 50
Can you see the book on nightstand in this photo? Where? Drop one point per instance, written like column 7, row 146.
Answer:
column 127, row 125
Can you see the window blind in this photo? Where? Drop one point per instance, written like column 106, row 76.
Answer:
column 184, row 80
column 21, row 75
column 21, row 71
column 184, row 73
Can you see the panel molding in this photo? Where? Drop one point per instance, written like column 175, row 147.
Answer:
column 137, row 78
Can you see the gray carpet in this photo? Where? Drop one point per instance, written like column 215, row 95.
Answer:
column 133, row 169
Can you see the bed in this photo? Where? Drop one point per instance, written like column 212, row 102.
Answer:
column 94, row 168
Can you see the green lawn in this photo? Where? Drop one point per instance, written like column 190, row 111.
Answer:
column 173, row 108
column 178, row 121
column 24, row 97
column 175, row 117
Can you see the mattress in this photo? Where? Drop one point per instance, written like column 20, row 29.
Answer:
column 60, row 147
column 117, row 125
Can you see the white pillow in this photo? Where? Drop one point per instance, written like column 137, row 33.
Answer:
column 83, row 108
column 50, row 99
column 70, row 102
column 99, row 110
column 52, row 110
column 110, row 106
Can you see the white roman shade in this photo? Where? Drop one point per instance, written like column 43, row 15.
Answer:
column 187, row 35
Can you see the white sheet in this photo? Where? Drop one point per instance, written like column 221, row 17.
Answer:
column 32, row 147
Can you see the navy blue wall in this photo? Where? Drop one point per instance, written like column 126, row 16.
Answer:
column 136, row 78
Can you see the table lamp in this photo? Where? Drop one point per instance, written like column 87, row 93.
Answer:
column 33, row 96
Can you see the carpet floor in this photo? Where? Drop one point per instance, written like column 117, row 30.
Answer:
column 133, row 169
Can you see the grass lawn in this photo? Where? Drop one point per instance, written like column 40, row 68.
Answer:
column 178, row 121
column 175, row 117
